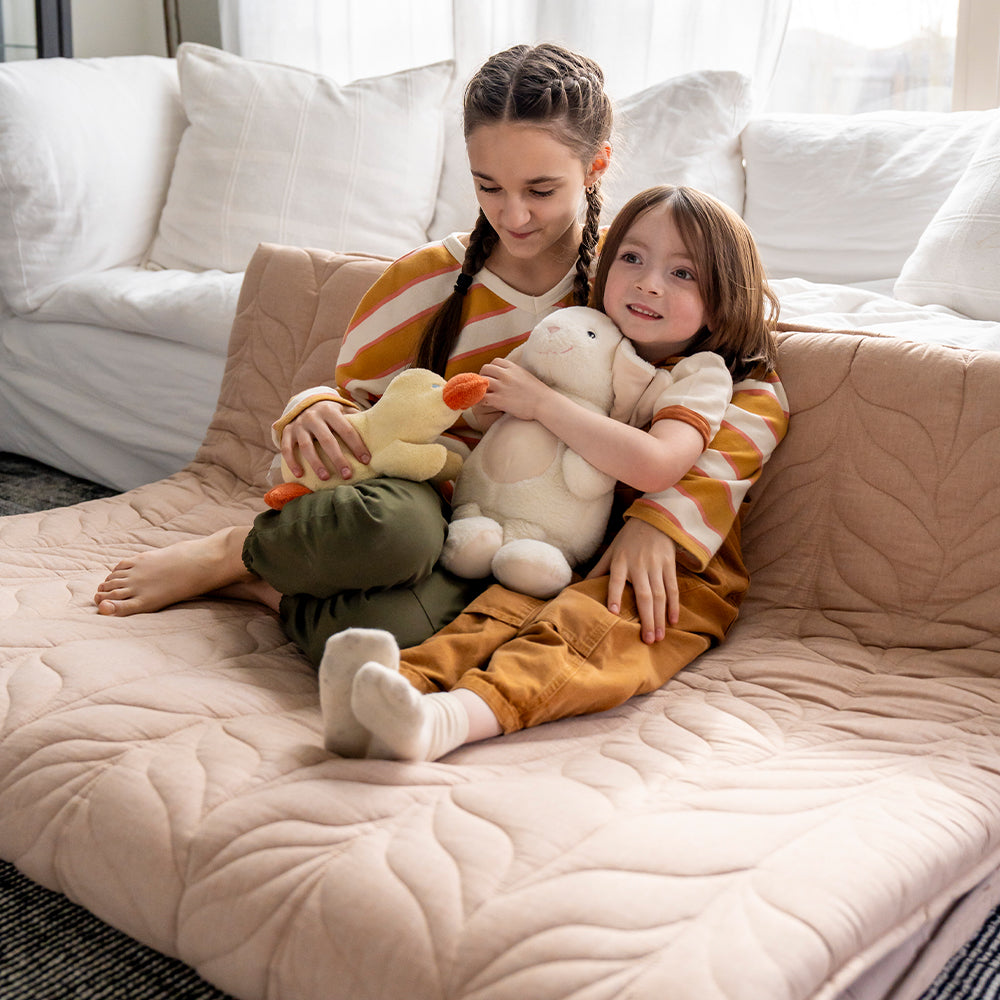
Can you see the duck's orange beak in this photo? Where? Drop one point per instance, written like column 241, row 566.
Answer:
column 464, row 390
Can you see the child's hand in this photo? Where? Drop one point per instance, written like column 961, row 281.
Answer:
column 323, row 424
column 647, row 558
column 513, row 389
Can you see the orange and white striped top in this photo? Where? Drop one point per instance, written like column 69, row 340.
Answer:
column 382, row 337
column 699, row 511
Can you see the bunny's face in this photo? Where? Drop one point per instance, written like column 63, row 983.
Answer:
column 574, row 351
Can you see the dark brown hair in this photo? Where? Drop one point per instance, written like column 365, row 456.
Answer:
column 741, row 309
column 561, row 92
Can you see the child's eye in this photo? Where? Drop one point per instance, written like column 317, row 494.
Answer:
column 684, row 274
column 488, row 190
column 542, row 194
column 629, row 257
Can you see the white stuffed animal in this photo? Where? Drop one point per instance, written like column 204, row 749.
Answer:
column 526, row 507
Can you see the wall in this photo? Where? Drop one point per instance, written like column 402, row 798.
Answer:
column 136, row 27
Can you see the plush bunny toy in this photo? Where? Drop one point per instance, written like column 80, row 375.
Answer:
column 526, row 507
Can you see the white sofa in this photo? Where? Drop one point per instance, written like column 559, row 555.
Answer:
column 133, row 191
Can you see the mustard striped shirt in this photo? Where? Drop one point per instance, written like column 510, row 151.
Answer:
column 699, row 511
column 382, row 337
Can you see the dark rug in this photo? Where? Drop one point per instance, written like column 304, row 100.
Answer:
column 51, row 949
column 27, row 486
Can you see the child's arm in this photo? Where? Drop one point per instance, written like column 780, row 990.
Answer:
column 646, row 558
column 688, row 414
column 320, row 424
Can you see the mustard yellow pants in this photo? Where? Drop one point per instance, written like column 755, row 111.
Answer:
column 535, row 661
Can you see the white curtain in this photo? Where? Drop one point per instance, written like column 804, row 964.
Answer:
column 636, row 42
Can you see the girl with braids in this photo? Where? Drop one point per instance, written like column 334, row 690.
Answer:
column 537, row 125
column 680, row 276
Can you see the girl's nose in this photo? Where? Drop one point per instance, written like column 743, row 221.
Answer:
column 515, row 212
column 648, row 283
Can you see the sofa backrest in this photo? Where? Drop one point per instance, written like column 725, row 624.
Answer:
column 879, row 510
column 86, row 151
column 292, row 313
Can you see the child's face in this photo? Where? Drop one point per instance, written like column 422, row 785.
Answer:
column 529, row 186
column 652, row 288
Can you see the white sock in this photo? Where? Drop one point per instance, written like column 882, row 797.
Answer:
column 405, row 724
column 345, row 653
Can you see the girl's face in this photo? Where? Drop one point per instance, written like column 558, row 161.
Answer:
column 652, row 288
column 529, row 186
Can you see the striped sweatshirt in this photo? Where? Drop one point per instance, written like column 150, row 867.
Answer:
column 382, row 339
column 383, row 335
column 699, row 511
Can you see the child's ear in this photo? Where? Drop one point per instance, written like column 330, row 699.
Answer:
column 599, row 165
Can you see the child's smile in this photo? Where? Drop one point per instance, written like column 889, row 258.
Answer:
column 652, row 290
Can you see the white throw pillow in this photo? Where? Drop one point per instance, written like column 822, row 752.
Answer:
column 284, row 155
column 957, row 261
column 844, row 198
column 685, row 130
column 86, row 150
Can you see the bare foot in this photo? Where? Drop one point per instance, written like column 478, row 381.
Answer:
column 154, row 579
column 256, row 590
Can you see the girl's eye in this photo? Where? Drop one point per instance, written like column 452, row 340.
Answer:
column 684, row 274
column 629, row 257
column 542, row 194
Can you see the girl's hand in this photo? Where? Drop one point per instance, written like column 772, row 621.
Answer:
column 514, row 389
column 323, row 424
column 647, row 558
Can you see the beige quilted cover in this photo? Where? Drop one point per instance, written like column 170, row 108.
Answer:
column 765, row 827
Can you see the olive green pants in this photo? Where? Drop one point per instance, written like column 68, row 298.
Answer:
column 361, row 556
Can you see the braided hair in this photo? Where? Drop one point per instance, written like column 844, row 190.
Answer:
column 555, row 89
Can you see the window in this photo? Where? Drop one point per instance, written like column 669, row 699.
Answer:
column 851, row 56
column 858, row 55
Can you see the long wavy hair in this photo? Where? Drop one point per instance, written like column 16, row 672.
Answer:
column 551, row 88
column 741, row 309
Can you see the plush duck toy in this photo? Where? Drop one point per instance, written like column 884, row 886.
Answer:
column 400, row 431
column 526, row 507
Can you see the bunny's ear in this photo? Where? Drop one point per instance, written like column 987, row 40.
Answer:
column 630, row 378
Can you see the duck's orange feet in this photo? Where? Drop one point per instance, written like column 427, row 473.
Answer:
column 281, row 494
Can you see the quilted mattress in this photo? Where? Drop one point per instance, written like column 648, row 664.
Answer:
column 779, row 817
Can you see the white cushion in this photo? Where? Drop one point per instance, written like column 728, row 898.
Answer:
column 684, row 130
column 957, row 261
column 844, row 198
column 187, row 307
column 86, row 150
column 276, row 154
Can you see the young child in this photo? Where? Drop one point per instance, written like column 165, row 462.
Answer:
column 679, row 274
column 537, row 124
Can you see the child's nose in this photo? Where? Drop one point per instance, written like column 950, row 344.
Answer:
column 649, row 282
column 516, row 212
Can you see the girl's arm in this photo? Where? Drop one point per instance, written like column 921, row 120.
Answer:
column 321, row 425
column 697, row 513
column 650, row 461
column 646, row 558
